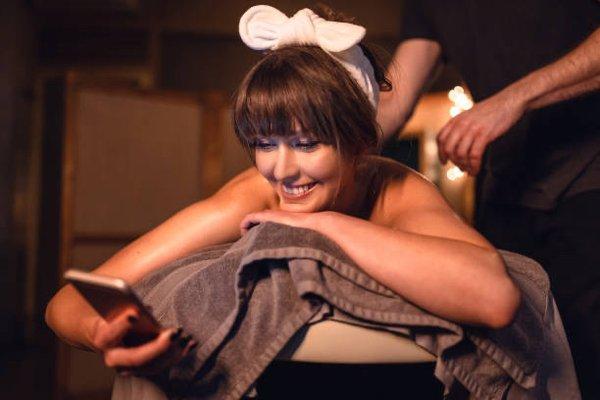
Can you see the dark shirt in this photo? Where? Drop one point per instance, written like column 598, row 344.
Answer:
column 494, row 43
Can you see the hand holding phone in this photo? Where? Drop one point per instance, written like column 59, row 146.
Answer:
column 139, row 347
column 111, row 297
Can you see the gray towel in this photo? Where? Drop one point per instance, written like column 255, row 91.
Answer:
column 244, row 301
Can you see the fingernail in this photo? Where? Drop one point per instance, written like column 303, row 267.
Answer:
column 176, row 334
column 184, row 341
column 132, row 319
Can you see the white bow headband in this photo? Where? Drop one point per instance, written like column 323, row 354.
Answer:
column 265, row 27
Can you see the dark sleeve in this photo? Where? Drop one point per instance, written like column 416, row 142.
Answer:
column 414, row 22
column 591, row 15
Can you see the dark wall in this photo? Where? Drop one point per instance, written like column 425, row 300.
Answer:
column 16, row 58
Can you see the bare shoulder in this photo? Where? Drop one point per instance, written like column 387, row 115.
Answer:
column 407, row 188
column 410, row 202
column 403, row 187
column 249, row 187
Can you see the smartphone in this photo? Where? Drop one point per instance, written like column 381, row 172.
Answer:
column 112, row 296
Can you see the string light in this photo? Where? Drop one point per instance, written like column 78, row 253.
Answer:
column 454, row 173
column 460, row 99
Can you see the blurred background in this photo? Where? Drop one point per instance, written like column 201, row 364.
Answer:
column 116, row 113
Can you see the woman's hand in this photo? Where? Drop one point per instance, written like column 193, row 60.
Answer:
column 297, row 219
column 149, row 358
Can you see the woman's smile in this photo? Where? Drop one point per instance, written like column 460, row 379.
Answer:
column 296, row 192
column 307, row 175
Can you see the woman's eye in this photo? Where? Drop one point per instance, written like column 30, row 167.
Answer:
column 264, row 145
column 306, row 145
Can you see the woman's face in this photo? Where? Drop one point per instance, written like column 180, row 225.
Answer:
column 307, row 175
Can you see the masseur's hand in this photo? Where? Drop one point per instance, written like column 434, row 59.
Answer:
column 464, row 138
column 297, row 219
column 150, row 358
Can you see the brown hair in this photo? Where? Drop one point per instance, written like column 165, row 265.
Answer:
column 303, row 87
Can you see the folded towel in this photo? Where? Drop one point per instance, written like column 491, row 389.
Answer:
column 244, row 301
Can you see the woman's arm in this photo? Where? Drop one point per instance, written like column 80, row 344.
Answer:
column 419, row 248
column 208, row 222
column 422, row 250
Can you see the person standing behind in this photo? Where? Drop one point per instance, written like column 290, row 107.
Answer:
column 532, row 138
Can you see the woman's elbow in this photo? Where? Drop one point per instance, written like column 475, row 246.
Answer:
column 49, row 315
column 503, row 297
column 56, row 312
column 503, row 305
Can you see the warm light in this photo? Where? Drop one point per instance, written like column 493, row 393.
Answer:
column 454, row 173
column 454, row 111
column 430, row 148
column 461, row 101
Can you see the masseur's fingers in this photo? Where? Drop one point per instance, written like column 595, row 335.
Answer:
column 476, row 153
column 135, row 357
column 441, row 140
column 461, row 153
column 450, row 142
column 110, row 334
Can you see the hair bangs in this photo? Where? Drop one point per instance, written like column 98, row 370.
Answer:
column 275, row 101
column 303, row 90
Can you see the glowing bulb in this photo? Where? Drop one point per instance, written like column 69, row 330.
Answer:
column 454, row 173
column 461, row 101
column 430, row 148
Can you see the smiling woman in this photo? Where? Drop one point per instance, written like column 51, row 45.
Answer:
column 306, row 114
column 307, row 175
column 306, row 122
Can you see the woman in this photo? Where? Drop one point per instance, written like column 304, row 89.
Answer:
column 306, row 113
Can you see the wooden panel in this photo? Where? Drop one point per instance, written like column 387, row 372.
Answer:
column 131, row 159
column 87, row 256
column 236, row 159
column 137, row 161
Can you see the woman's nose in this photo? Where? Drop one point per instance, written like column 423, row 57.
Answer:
column 286, row 165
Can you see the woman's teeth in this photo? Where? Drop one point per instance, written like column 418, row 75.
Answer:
column 298, row 190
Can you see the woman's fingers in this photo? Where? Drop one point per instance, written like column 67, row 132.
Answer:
column 248, row 222
column 153, row 357
column 135, row 357
column 110, row 334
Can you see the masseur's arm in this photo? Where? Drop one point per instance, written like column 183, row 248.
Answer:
column 212, row 221
column 413, row 65
column 464, row 138
column 422, row 250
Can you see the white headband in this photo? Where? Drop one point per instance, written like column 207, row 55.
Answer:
column 265, row 27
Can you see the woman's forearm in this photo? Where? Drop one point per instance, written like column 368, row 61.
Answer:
column 456, row 280
column 72, row 318
column 205, row 223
